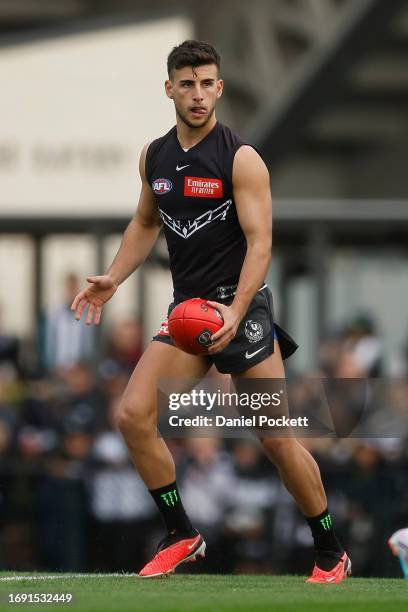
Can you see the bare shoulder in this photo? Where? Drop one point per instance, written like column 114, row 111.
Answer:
column 142, row 160
column 248, row 164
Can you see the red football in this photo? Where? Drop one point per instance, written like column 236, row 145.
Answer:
column 192, row 323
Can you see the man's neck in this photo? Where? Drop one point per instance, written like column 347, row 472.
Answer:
column 188, row 137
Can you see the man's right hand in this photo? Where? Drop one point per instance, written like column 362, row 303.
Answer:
column 99, row 291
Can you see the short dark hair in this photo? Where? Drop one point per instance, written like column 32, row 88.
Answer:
column 192, row 53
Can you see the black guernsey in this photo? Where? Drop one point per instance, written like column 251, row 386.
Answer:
column 193, row 191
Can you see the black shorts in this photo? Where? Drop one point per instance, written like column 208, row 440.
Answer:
column 254, row 340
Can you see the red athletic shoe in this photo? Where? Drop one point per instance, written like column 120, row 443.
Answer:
column 172, row 551
column 334, row 576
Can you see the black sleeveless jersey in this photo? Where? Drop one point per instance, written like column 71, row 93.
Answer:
column 193, row 191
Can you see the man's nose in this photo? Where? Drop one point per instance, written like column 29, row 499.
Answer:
column 198, row 94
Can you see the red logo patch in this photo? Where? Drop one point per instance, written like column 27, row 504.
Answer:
column 197, row 187
column 164, row 329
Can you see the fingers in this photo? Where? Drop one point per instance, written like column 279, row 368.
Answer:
column 76, row 301
column 94, row 279
column 221, row 340
column 219, row 334
column 217, row 305
column 80, row 303
column 94, row 313
column 90, row 314
column 80, row 307
column 98, row 315
column 226, row 333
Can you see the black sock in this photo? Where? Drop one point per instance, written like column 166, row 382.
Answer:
column 328, row 549
column 171, row 508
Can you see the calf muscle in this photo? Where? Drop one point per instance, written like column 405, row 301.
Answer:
column 137, row 415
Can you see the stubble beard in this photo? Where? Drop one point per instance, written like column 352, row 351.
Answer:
column 193, row 126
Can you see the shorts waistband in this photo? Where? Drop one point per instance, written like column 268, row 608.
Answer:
column 225, row 292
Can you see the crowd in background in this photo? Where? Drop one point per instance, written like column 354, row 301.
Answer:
column 71, row 500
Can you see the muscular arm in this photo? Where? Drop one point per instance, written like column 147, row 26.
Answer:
column 253, row 202
column 141, row 233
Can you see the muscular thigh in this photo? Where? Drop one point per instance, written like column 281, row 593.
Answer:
column 272, row 373
column 161, row 361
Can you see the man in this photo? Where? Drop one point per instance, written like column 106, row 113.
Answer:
column 211, row 193
column 65, row 342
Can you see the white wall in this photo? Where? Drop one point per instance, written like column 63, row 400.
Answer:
column 75, row 113
column 16, row 287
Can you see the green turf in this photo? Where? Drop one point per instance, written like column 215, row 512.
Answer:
column 215, row 594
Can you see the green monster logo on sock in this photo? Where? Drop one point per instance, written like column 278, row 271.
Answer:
column 170, row 497
column 326, row 522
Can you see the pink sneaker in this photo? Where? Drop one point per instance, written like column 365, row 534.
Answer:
column 334, row 576
column 172, row 551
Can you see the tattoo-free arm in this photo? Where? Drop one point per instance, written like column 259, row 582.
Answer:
column 253, row 202
column 141, row 233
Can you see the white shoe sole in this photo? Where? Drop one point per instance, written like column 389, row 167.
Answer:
column 347, row 568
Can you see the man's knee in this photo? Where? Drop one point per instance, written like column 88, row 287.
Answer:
column 136, row 417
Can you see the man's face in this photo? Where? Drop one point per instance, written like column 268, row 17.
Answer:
column 195, row 92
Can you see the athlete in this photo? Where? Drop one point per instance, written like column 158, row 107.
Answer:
column 210, row 192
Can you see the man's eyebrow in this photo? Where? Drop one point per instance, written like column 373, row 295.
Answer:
column 188, row 81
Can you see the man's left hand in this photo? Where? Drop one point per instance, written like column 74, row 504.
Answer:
column 223, row 336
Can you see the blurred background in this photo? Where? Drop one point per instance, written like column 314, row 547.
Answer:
column 321, row 88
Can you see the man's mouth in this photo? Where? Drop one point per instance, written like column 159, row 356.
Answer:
column 198, row 110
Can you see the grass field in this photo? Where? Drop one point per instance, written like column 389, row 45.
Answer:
column 209, row 593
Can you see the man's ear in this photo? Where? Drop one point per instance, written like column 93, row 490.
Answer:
column 168, row 86
column 220, row 88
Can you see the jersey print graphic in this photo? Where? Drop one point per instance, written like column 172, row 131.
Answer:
column 187, row 228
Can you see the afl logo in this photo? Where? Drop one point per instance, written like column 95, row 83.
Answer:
column 161, row 186
column 205, row 338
